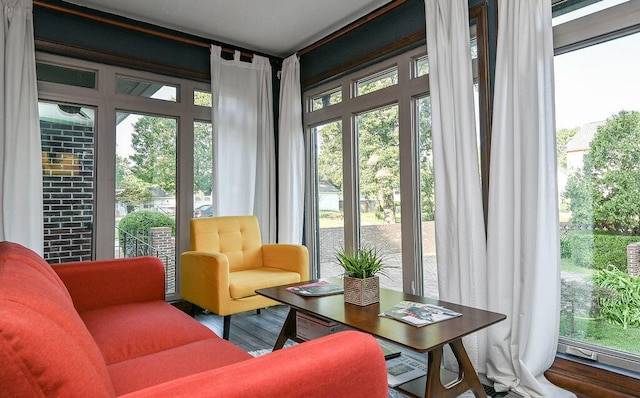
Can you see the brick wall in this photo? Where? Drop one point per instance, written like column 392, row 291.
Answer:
column 68, row 174
column 161, row 240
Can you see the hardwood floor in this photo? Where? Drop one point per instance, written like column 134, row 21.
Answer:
column 249, row 330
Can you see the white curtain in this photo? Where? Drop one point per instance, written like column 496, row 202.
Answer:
column 290, row 155
column 244, row 144
column 460, row 235
column 522, row 240
column 21, row 217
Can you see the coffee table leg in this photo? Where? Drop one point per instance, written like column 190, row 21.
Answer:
column 467, row 376
column 288, row 330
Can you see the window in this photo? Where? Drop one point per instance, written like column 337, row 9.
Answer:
column 328, row 98
column 121, row 154
column 372, row 169
column 377, row 81
column 598, row 135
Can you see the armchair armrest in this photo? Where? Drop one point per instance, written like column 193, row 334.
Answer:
column 346, row 364
column 103, row 283
column 204, row 279
column 288, row 257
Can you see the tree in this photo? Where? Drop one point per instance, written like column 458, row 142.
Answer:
column 610, row 178
column 563, row 136
column 154, row 145
column 202, row 157
column 133, row 192
column 378, row 144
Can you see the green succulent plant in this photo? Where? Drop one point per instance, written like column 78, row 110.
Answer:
column 362, row 263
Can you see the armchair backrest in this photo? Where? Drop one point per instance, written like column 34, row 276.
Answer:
column 238, row 237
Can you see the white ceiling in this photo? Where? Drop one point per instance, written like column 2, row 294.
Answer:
column 274, row 27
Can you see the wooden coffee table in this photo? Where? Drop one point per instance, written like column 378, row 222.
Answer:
column 427, row 339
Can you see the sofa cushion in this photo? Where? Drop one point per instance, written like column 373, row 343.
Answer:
column 245, row 283
column 45, row 349
column 142, row 372
column 137, row 329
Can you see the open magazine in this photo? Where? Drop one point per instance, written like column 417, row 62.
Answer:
column 419, row 314
column 315, row 289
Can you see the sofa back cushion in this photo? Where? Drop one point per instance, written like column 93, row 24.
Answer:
column 237, row 237
column 45, row 348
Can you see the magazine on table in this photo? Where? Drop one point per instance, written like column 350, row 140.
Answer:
column 403, row 369
column 419, row 314
column 389, row 350
column 315, row 289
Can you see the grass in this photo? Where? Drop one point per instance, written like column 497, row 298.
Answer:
column 604, row 334
column 597, row 331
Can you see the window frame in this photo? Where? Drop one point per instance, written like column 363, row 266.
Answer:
column 107, row 103
column 596, row 28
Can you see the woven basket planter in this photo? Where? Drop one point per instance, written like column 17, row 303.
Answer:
column 361, row 292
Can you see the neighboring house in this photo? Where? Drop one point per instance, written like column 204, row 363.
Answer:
column 580, row 144
column 328, row 197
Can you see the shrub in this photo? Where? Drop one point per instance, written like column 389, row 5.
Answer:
column 581, row 248
column 611, row 249
column 597, row 249
column 136, row 226
column 618, row 297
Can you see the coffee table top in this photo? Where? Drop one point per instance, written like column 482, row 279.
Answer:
column 366, row 319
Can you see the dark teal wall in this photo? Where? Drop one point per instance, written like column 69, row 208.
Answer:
column 81, row 32
column 402, row 21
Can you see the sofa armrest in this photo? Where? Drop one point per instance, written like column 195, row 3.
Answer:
column 103, row 283
column 288, row 257
column 345, row 364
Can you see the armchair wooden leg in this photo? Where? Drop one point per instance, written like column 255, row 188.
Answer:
column 226, row 325
column 258, row 311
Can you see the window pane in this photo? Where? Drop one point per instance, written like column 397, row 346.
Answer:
column 329, row 196
column 427, row 197
column 147, row 89
column 597, row 139
column 421, row 66
column 69, row 76
column 202, row 98
column 326, row 99
column 377, row 81
column 379, row 186
column 146, row 189
column 202, row 169
column 67, row 133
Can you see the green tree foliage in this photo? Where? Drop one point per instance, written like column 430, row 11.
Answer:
column 378, row 139
column 610, row 178
column 330, row 154
column 154, row 158
column 427, row 194
column 202, row 157
column 133, row 191
column 563, row 136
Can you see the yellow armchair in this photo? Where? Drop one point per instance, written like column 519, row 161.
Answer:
column 227, row 263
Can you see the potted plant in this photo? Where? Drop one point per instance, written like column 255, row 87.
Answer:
column 361, row 268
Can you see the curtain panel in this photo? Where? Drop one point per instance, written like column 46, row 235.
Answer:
column 21, row 217
column 243, row 139
column 522, row 231
column 291, row 167
column 460, row 236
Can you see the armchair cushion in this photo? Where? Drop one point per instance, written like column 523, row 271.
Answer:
column 245, row 283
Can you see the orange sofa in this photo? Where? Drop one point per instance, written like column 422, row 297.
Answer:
column 103, row 329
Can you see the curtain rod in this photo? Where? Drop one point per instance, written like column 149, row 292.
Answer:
column 353, row 25
column 135, row 28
